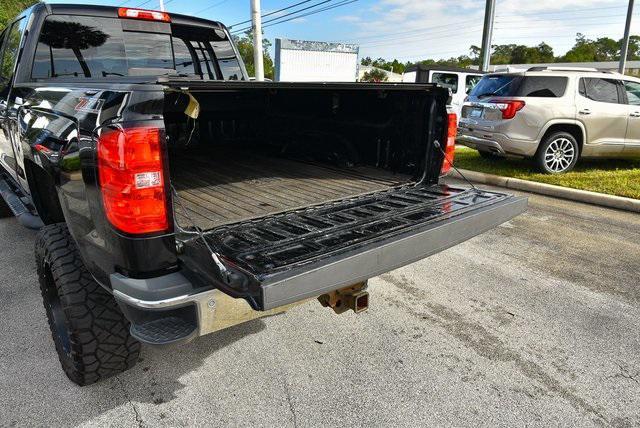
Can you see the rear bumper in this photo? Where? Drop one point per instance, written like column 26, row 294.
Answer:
column 211, row 309
column 496, row 143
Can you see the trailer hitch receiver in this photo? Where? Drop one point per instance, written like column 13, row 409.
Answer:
column 354, row 297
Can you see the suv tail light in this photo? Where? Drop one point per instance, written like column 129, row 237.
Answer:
column 509, row 108
column 146, row 15
column 450, row 149
column 131, row 175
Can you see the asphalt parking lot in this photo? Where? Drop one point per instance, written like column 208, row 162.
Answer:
column 534, row 323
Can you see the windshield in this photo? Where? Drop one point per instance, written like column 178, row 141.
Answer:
column 97, row 47
column 498, row 84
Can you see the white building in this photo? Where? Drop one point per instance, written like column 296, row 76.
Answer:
column 309, row 61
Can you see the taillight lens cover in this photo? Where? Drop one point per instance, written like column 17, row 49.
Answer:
column 450, row 148
column 145, row 15
column 131, row 176
column 509, row 108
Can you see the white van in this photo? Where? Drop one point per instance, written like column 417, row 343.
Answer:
column 459, row 80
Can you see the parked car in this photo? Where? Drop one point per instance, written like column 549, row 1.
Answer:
column 553, row 115
column 460, row 81
column 176, row 198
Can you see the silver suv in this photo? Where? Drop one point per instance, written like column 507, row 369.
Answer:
column 554, row 115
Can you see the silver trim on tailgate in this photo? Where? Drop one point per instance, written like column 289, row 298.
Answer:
column 381, row 258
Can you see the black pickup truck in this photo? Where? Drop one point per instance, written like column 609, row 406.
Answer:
column 174, row 197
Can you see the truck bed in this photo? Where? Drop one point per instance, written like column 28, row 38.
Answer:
column 232, row 187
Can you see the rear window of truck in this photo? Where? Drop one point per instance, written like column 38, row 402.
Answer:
column 98, row 47
column 505, row 85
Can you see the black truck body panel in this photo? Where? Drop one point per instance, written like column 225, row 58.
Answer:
column 53, row 126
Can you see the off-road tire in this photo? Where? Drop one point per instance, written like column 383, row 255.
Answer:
column 90, row 333
column 565, row 145
column 4, row 209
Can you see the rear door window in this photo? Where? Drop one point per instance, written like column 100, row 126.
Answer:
column 10, row 47
column 543, row 86
column 226, row 56
column 633, row 92
column 83, row 46
column 98, row 47
column 206, row 52
column 470, row 82
column 448, row 80
column 601, row 90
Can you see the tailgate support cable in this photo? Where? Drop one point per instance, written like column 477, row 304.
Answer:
column 224, row 272
column 438, row 146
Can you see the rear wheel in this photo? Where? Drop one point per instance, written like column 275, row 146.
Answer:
column 558, row 153
column 90, row 333
column 4, row 209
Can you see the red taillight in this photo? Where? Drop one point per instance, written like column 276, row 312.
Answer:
column 509, row 108
column 147, row 15
column 450, row 148
column 131, row 178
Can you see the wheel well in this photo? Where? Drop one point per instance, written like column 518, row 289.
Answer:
column 572, row 129
column 43, row 194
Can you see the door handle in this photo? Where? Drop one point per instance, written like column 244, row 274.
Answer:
column 635, row 114
column 585, row 111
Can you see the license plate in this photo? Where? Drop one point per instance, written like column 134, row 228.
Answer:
column 475, row 113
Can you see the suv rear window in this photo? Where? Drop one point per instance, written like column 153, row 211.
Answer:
column 506, row 85
column 98, row 47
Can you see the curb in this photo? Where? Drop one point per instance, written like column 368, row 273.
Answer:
column 584, row 196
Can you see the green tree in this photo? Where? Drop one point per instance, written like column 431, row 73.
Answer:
column 394, row 66
column 375, row 75
column 9, row 9
column 245, row 47
column 582, row 51
column 634, row 48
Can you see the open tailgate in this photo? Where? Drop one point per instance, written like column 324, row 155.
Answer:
column 295, row 255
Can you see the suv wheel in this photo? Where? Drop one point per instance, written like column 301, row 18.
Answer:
column 90, row 332
column 558, row 153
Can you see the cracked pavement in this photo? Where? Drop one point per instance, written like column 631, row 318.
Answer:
column 534, row 323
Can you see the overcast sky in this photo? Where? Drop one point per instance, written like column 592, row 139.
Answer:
column 414, row 29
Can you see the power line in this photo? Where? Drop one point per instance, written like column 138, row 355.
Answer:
column 572, row 25
column 313, row 12
column 559, row 12
column 468, row 31
column 447, row 27
column 343, row 3
column 563, row 19
column 291, row 13
column 143, row 3
column 273, row 13
column 210, row 7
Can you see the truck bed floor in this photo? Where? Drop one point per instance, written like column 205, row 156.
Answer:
column 232, row 186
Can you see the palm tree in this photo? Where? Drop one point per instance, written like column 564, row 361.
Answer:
column 73, row 36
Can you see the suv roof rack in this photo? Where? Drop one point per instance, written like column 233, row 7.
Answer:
column 552, row 68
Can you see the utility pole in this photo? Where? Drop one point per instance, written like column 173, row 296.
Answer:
column 161, row 5
column 256, row 23
column 487, row 34
column 624, row 50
